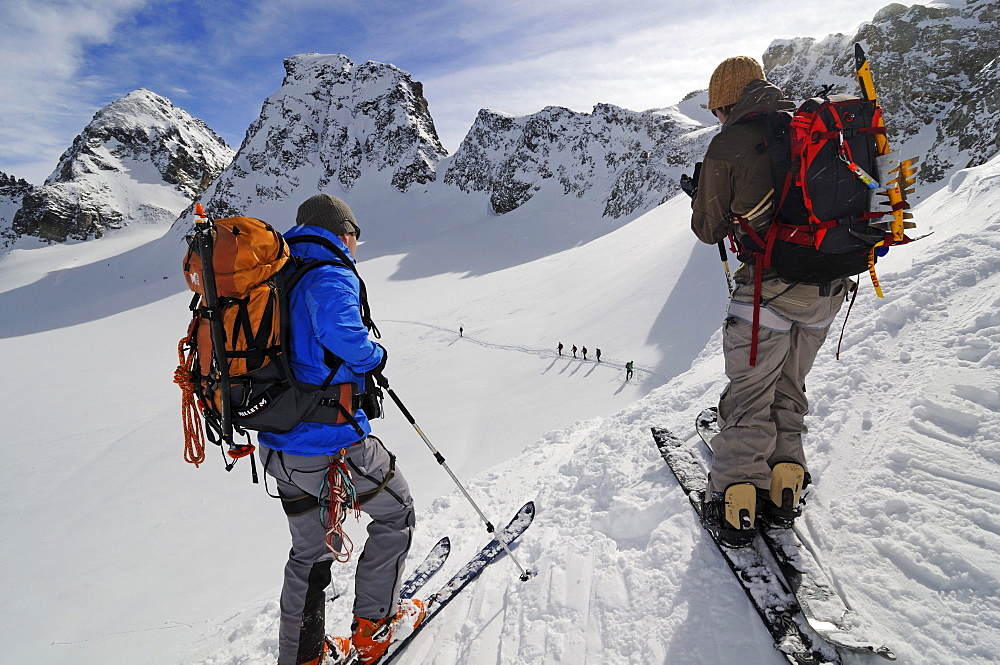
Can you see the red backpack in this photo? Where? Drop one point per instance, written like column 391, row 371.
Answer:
column 824, row 170
column 823, row 166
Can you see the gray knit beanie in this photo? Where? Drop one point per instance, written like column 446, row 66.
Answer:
column 729, row 79
column 327, row 212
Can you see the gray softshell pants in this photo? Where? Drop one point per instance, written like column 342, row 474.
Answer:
column 308, row 571
column 762, row 411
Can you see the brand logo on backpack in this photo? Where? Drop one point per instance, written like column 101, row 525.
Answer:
column 259, row 405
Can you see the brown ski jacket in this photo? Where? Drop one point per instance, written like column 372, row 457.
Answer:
column 736, row 173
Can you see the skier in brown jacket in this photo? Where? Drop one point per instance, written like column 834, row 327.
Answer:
column 758, row 462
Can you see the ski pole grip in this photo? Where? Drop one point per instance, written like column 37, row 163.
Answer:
column 722, row 251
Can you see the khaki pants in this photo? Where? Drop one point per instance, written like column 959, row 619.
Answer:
column 762, row 411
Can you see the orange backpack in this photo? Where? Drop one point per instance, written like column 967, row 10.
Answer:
column 234, row 372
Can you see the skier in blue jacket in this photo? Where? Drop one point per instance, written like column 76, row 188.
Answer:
column 318, row 466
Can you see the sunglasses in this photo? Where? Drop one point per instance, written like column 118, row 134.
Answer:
column 357, row 229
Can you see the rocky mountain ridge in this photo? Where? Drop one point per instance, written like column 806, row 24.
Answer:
column 140, row 160
column 366, row 132
column 331, row 123
column 12, row 193
column 625, row 161
column 936, row 69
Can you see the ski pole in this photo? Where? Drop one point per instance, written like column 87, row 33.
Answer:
column 524, row 573
column 725, row 265
column 204, row 238
column 690, row 186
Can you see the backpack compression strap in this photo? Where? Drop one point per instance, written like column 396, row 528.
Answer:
column 762, row 261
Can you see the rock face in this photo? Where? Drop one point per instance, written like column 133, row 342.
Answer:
column 331, row 122
column 625, row 161
column 12, row 193
column 335, row 125
column 139, row 161
column 936, row 68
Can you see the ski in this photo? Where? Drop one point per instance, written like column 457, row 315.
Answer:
column 771, row 598
column 491, row 552
column 828, row 614
column 430, row 565
column 438, row 600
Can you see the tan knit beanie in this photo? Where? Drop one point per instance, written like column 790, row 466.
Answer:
column 729, row 79
column 327, row 212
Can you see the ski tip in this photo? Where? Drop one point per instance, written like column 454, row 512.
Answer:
column 860, row 60
column 886, row 653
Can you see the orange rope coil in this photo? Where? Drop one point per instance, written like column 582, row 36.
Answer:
column 339, row 489
column 194, row 432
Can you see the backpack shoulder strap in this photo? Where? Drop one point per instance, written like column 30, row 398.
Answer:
column 778, row 146
column 323, row 242
column 345, row 260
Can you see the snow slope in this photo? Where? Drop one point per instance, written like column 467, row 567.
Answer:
column 128, row 555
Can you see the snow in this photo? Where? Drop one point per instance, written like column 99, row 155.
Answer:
column 123, row 553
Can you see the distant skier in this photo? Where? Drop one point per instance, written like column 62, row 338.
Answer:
column 628, row 370
column 574, row 350
column 584, row 352
column 560, row 347
column 597, row 352
column 461, row 331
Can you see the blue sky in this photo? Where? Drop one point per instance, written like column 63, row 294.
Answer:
column 63, row 60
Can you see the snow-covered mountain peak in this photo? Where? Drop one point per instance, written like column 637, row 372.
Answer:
column 312, row 67
column 140, row 160
column 138, row 110
column 143, row 126
column 331, row 124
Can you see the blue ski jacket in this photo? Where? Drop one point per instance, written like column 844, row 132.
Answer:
column 325, row 313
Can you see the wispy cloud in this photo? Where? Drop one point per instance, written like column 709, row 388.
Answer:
column 41, row 94
column 219, row 59
column 521, row 56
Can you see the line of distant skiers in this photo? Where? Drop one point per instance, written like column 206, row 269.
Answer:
column 628, row 366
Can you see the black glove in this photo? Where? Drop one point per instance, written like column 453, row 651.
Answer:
column 689, row 183
column 376, row 373
column 689, row 186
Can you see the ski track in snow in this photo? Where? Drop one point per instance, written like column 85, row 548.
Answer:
column 638, row 370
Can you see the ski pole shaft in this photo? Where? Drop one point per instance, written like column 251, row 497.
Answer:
column 524, row 574
column 204, row 233
column 725, row 265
